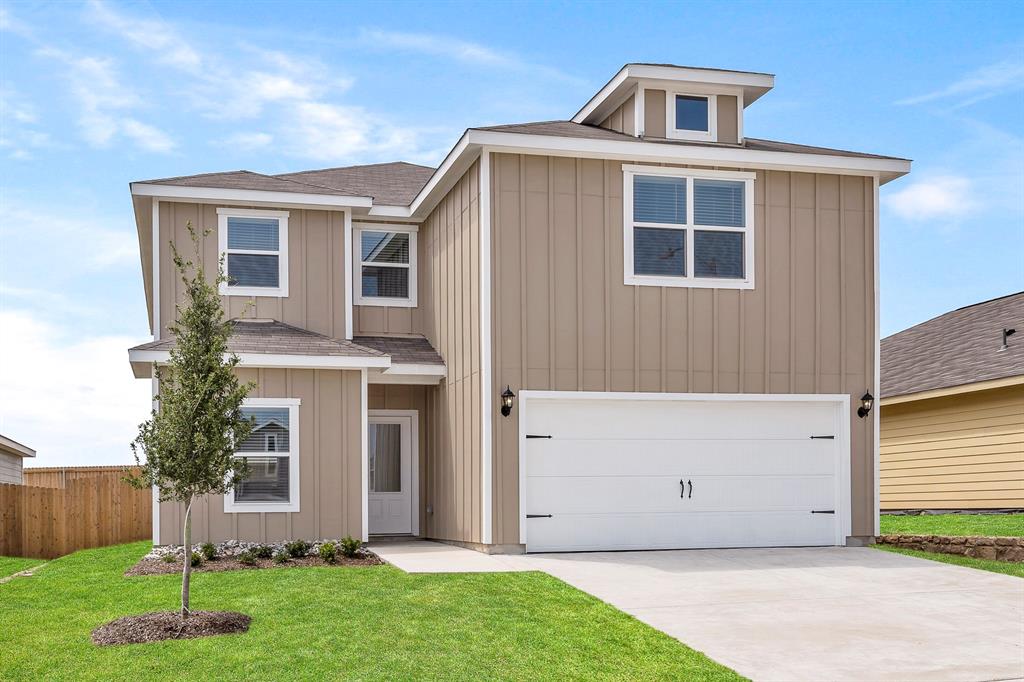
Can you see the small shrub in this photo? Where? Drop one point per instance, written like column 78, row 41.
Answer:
column 281, row 558
column 208, row 551
column 169, row 558
column 350, row 546
column 329, row 552
column 297, row 548
column 247, row 558
column 263, row 551
column 197, row 559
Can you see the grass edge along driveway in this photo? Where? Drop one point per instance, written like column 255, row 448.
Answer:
column 328, row 623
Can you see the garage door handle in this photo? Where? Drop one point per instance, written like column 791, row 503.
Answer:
column 538, row 516
column 682, row 489
column 690, row 483
column 823, row 511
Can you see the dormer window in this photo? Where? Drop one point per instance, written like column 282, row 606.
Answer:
column 692, row 117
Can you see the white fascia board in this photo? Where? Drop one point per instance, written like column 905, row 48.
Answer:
column 887, row 169
column 273, row 360
column 247, row 196
column 378, row 377
column 420, row 369
column 602, row 95
column 457, row 160
column 15, row 448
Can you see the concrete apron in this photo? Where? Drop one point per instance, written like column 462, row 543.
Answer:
column 791, row 614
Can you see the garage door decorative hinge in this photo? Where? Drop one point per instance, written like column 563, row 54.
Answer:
column 538, row 516
column 823, row 437
column 533, row 435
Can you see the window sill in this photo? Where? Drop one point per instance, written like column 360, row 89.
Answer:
column 271, row 292
column 680, row 282
column 386, row 302
column 258, row 507
column 692, row 135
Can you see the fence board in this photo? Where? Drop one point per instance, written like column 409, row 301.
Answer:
column 81, row 507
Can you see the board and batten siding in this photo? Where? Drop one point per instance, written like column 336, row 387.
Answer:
column 958, row 452
column 448, row 315
column 316, row 268
column 623, row 119
column 564, row 320
column 330, row 466
column 10, row 468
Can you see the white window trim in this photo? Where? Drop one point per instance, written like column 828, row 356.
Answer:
column 357, row 265
column 709, row 135
column 292, row 505
column 280, row 291
column 632, row 279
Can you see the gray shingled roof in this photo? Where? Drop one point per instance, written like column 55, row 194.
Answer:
column 271, row 336
column 403, row 349
column 582, row 130
column 958, row 348
column 394, row 184
column 243, row 179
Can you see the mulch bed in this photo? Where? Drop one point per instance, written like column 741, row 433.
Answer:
column 160, row 567
column 161, row 625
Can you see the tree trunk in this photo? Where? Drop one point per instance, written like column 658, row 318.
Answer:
column 186, row 571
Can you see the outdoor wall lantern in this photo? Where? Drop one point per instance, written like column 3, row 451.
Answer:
column 507, row 396
column 866, row 401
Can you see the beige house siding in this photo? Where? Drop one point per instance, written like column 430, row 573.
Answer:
column 10, row 468
column 728, row 121
column 959, row 452
column 316, row 267
column 623, row 119
column 571, row 324
column 330, row 466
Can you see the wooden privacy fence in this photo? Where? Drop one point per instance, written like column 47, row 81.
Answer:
column 92, row 507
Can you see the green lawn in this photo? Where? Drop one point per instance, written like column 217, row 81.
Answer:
column 330, row 623
column 954, row 524
column 1007, row 567
column 9, row 565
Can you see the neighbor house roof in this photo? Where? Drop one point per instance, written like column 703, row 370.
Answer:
column 413, row 350
column 277, row 338
column 243, row 179
column 9, row 446
column 395, row 183
column 955, row 349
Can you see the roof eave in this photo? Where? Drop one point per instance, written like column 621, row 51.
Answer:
column 947, row 391
column 142, row 361
column 248, row 197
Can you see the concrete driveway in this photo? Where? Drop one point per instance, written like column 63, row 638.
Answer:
column 792, row 614
column 814, row 614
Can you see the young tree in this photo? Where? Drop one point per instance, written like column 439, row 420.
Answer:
column 186, row 448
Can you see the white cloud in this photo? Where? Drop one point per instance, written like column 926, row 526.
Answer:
column 76, row 238
column 154, row 36
column 943, row 197
column 18, row 118
column 988, row 81
column 74, row 400
column 104, row 101
column 146, row 136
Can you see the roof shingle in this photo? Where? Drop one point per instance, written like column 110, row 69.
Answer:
column 414, row 350
column 957, row 348
column 278, row 338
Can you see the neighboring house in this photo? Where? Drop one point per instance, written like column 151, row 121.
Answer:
column 684, row 318
column 952, row 410
column 12, row 456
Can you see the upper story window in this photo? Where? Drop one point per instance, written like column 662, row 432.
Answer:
column 386, row 265
column 272, row 453
column 688, row 228
column 692, row 117
column 254, row 244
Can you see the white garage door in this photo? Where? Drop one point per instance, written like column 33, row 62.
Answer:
column 621, row 471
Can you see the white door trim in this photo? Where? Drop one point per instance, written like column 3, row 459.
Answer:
column 414, row 458
column 842, row 435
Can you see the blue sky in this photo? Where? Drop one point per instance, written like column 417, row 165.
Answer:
column 97, row 94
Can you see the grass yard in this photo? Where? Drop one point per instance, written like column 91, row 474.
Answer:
column 9, row 565
column 330, row 623
column 1007, row 567
column 954, row 524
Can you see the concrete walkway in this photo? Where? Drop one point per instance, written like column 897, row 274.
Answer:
column 793, row 614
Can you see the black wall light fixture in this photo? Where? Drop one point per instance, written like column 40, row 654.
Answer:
column 866, row 401
column 507, row 396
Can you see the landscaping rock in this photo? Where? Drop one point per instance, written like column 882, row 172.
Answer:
column 980, row 547
column 161, row 625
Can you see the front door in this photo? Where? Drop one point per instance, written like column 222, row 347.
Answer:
column 390, row 474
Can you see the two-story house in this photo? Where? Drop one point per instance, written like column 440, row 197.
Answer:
column 636, row 328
